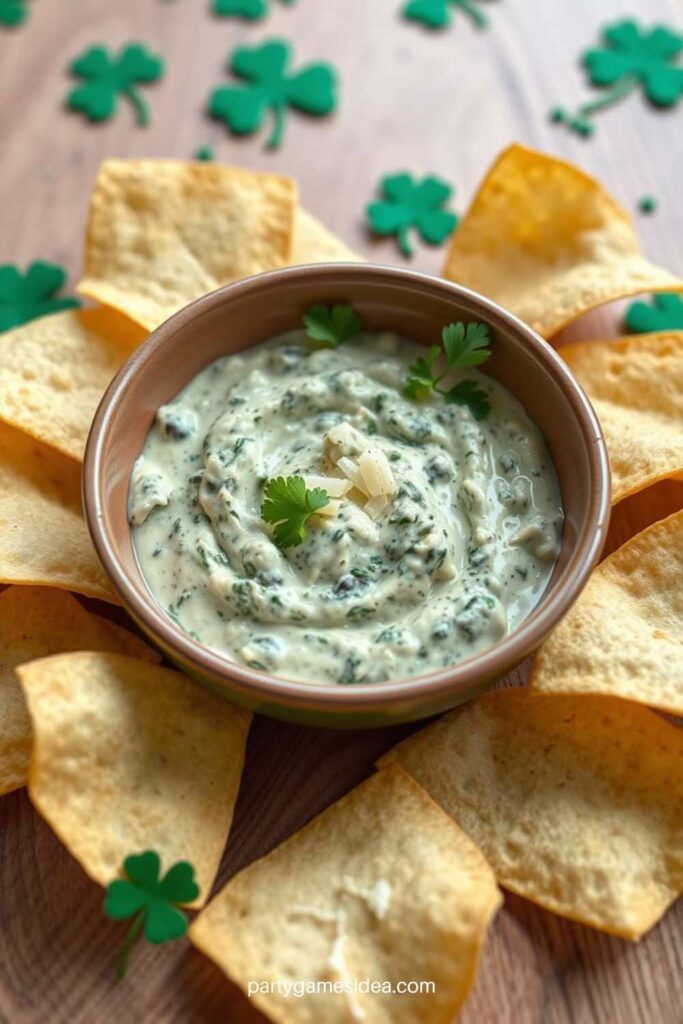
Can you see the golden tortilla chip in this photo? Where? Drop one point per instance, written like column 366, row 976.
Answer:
column 624, row 635
column 577, row 803
column 54, row 371
column 127, row 757
column 381, row 886
column 164, row 232
column 35, row 622
column 43, row 537
column 636, row 387
column 313, row 243
column 547, row 242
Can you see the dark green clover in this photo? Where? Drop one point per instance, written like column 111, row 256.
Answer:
column 205, row 154
column 438, row 13
column 268, row 86
column 665, row 314
column 630, row 57
column 25, row 297
column 250, row 10
column 153, row 902
column 108, row 76
column 408, row 204
column 13, row 12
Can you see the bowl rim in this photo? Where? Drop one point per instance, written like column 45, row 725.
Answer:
column 262, row 687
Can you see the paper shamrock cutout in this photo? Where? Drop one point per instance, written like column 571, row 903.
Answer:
column 151, row 901
column 252, row 10
column 25, row 297
column 205, row 153
column 13, row 12
column 665, row 314
column 269, row 86
column 108, row 76
column 647, row 204
column 631, row 57
column 438, row 13
column 408, row 203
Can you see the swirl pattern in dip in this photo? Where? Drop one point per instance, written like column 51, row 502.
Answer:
column 457, row 559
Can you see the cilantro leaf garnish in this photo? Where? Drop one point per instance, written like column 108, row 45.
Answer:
column 665, row 314
column 332, row 325
column 462, row 346
column 290, row 504
column 151, row 901
column 25, row 297
column 107, row 76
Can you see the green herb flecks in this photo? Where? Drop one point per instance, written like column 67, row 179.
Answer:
column 630, row 57
column 332, row 325
column 289, row 504
column 462, row 346
column 151, row 901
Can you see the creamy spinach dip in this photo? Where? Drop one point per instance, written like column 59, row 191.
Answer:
column 449, row 558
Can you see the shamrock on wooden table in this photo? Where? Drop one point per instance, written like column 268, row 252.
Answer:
column 252, row 10
column 438, row 13
column 151, row 901
column 269, row 86
column 631, row 56
column 407, row 204
column 665, row 314
column 13, row 12
column 25, row 297
column 108, row 76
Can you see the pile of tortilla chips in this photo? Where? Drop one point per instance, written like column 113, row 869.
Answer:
column 568, row 792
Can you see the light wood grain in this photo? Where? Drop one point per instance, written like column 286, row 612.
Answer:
column 430, row 103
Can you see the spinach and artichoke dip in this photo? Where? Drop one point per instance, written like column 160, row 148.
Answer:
column 434, row 532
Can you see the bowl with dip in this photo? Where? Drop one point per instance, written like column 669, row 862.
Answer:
column 327, row 524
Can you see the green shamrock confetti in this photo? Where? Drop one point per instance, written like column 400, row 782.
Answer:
column 251, row 10
column 151, row 901
column 205, row 154
column 408, row 203
column 25, row 297
column 647, row 204
column 13, row 12
column 108, row 76
column 313, row 90
column 631, row 57
column 664, row 314
column 438, row 13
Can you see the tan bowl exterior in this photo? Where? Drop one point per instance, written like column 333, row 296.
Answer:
column 416, row 306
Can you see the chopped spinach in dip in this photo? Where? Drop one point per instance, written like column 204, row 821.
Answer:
column 457, row 559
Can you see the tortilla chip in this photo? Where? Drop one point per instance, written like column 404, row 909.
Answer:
column 127, row 757
column 54, row 371
column 313, row 243
column 35, row 622
column 381, row 886
column 636, row 387
column 624, row 635
column 43, row 537
column 547, row 242
column 577, row 803
column 161, row 233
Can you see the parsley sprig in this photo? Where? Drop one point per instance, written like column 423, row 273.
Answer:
column 332, row 325
column 462, row 346
column 290, row 504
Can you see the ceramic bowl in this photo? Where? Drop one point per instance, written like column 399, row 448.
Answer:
column 414, row 305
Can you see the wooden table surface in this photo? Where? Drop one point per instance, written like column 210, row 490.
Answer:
column 441, row 103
